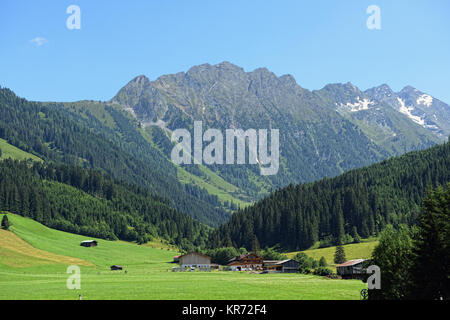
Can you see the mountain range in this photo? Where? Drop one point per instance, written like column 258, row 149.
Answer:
column 323, row 133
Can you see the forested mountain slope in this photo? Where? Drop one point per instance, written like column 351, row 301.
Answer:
column 87, row 202
column 55, row 134
column 360, row 201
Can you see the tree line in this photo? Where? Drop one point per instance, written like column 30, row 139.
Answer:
column 56, row 133
column 415, row 261
column 359, row 203
column 87, row 202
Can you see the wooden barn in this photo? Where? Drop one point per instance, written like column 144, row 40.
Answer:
column 352, row 269
column 244, row 262
column 285, row 266
column 194, row 260
column 88, row 243
column 116, row 267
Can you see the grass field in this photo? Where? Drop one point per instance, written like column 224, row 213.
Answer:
column 361, row 250
column 34, row 259
column 9, row 151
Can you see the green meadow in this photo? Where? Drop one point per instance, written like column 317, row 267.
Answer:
column 9, row 151
column 34, row 260
column 353, row 251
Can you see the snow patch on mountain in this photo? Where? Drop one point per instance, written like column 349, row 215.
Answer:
column 407, row 111
column 358, row 105
column 425, row 99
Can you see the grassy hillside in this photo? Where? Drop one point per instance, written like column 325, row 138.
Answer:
column 214, row 184
column 102, row 257
column 15, row 252
column 9, row 151
column 361, row 250
column 145, row 274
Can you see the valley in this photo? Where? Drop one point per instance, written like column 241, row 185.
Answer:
column 351, row 163
column 146, row 273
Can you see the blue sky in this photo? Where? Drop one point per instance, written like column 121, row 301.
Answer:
column 318, row 42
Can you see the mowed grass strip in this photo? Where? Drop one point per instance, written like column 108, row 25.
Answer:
column 15, row 252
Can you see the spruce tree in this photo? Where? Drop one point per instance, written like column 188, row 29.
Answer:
column 322, row 262
column 255, row 245
column 431, row 261
column 355, row 235
column 5, row 222
column 339, row 255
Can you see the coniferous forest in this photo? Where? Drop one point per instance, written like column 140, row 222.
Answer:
column 360, row 202
column 90, row 203
column 53, row 133
column 105, row 180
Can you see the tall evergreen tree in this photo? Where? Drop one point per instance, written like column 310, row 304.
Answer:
column 255, row 245
column 431, row 262
column 355, row 235
column 339, row 255
column 5, row 222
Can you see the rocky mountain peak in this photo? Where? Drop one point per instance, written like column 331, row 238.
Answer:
column 382, row 90
column 140, row 80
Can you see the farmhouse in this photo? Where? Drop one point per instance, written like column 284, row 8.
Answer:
column 88, row 243
column 351, row 269
column 249, row 261
column 194, row 260
column 285, row 266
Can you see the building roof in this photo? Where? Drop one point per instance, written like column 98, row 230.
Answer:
column 199, row 254
column 271, row 261
column 350, row 263
column 276, row 262
column 88, row 241
column 283, row 261
column 242, row 256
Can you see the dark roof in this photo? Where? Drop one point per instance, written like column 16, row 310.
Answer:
column 240, row 257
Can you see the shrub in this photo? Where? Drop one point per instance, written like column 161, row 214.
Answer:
column 323, row 262
column 323, row 271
